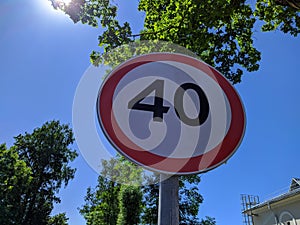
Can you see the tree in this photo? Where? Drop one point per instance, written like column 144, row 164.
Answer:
column 222, row 38
column 101, row 204
column 208, row 221
column 34, row 170
column 117, row 197
column 280, row 15
column 15, row 179
column 59, row 219
column 293, row 3
column 130, row 205
column 115, row 203
column 189, row 201
column 151, row 196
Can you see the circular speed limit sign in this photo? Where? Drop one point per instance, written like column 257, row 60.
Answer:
column 171, row 113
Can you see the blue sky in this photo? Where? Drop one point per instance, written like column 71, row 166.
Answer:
column 43, row 56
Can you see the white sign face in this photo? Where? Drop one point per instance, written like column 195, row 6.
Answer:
column 171, row 113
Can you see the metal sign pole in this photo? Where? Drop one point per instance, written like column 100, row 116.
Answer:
column 168, row 208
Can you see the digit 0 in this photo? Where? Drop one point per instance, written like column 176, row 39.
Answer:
column 178, row 105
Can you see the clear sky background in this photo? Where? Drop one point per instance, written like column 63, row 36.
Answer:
column 43, row 56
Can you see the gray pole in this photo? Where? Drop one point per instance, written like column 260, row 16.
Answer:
column 168, row 208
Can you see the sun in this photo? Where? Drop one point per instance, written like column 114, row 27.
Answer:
column 54, row 6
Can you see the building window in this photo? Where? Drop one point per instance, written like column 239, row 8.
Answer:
column 286, row 218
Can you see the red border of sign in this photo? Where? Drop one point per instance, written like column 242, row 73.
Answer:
column 218, row 155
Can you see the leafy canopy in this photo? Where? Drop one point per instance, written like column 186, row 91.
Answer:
column 15, row 180
column 32, row 172
column 115, row 203
column 220, row 32
column 110, row 202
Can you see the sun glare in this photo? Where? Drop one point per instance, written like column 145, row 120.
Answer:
column 53, row 6
column 66, row 2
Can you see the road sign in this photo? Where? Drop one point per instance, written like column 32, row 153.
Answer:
column 171, row 113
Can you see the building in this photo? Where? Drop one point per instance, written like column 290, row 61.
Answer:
column 281, row 210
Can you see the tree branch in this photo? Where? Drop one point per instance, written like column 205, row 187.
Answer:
column 154, row 32
column 293, row 3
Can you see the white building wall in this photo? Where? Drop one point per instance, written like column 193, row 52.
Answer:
column 288, row 214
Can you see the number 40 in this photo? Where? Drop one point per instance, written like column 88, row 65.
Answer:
column 159, row 109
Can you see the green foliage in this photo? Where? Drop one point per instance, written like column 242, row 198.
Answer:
column 121, row 171
column 59, row 219
column 88, row 11
column 33, row 171
column 110, row 202
column 98, row 13
column 189, row 199
column 101, row 204
column 115, row 203
column 130, row 204
column 220, row 32
column 47, row 152
column 15, row 179
column 222, row 38
column 278, row 17
column 151, row 196
column 208, row 221
column 291, row 3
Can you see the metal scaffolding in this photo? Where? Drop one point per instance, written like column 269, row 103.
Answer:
column 248, row 201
